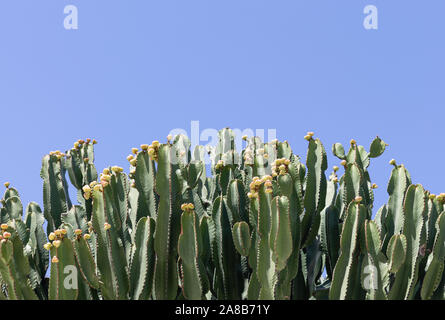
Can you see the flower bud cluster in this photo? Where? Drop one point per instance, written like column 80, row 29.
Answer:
column 219, row 165
column 256, row 184
column 187, row 207
column 280, row 167
column 55, row 240
column 441, row 197
column 309, row 136
column 4, row 234
column 59, row 155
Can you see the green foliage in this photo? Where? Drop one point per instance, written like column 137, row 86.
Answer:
column 265, row 225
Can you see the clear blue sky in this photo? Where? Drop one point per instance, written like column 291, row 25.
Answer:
column 136, row 69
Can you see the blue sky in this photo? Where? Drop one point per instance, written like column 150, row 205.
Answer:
column 136, row 69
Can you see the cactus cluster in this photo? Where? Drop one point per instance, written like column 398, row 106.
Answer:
column 263, row 225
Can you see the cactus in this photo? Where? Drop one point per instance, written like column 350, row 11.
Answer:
column 434, row 272
column 346, row 275
column 414, row 211
column 193, row 276
column 263, row 225
column 169, row 188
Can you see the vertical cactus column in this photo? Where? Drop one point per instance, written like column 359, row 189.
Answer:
column 228, row 284
column 414, row 214
column 195, row 283
column 315, row 190
column 14, row 266
column 143, row 260
column 110, row 255
column 55, row 189
column 169, row 187
column 435, row 266
column 346, row 277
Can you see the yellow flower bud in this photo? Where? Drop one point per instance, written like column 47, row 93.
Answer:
column 86, row 188
column 64, row 231
column 183, row 206
column 392, row 162
column 310, row 133
column 51, row 236
column 57, row 243
column 335, row 168
column 134, row 150
column 85, row 160
column 47, row 246
column 94, row 141
column 133, row 162
column 4, row 226
column 107, row 226
column 269, row 190
column 144, row 147
column 130, row 157
column 307, row 137
column 97, row 187
column 191, row 206
column 93, row 183
column 117, row 169
column 155, row 143
column 77, row 232
column 358, row 199
column 55, row 260
column 343, row 163
column 105, row 177
column 353, row 142
column 7, row 184
column 106, row 171
column 432, row 196
column 6, row 235
column 169, row 137
column 244, row 137
column 86, row 236
column 374, row 186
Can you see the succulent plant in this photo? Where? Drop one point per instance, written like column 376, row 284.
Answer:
column 264, row 225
